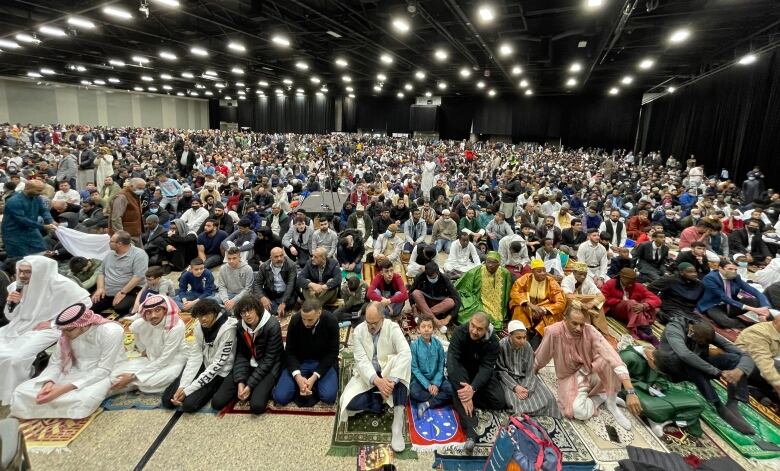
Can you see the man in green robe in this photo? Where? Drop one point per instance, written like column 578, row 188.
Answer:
column 485, row 288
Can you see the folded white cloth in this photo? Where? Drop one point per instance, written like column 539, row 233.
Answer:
column 82, row 244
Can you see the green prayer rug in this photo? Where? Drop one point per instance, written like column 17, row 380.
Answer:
column 364, row 428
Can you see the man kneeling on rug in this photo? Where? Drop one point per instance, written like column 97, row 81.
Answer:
column 382, row 370
column 77, row 379
column 588, row 369
column 159, row 338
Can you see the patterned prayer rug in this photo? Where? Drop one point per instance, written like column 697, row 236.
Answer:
column 594, row 431
column 133, row 400
column 319, row 409
column 45, row 435
column 435, row 429
column 679, row 441
column 364, row 428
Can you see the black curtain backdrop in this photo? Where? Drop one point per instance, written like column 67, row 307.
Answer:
column 424, row 118
column 298, row 114
column 382, row 114
column 728, row 120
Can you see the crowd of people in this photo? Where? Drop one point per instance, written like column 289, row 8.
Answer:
column 509, row 255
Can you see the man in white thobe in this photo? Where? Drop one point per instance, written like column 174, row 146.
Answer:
column 159, row 338
column 594, row 255
column 34, row 300
column 462, row 258
column 77, row 379
column 382, row 371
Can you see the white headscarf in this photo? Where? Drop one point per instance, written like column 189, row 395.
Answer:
column 46, row 295
column 770, row 274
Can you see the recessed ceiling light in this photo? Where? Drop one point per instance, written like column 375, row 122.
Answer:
column 210, row 72
column 5, row 43
column 442, row 85
column 262, row 83
column 194, row 94
column 81, row 68
column 200, row 87
column 138, row 89
column 118, row 13
column 517, row 70
column 166, row 76
column 34, row 74
column 114, row 80
column 465, row 72
column 152, row 89
column 81, row 23
column 486, row 14
column 179, row 93
column 279, row 91
column 351, row 95
column 505, row 49
column 593, row 4
column 646, row 64
column 26, row 38
column 259, row 92
column 241, row 92
column 117, row 63
column 671, row 89
column 400, row 94
column 480, row 84
column 747, row 59
column 440, row 55
column 237, row 70
column 47, row 71
column 99, row 82
column 346, row 78
column 571, row 82
column 342, row 62
column 679, row 36
column 87, row 82
column 199, row 51
column 318, row 93
column 315, row 80
column 349, row 89
column 238, row 47
column 334, row 34
column 529, row 92
column 299, row 90
column 52, row 31
column 627, row 80
column 381, row 77
column 240, row 84
column 188, row 75
column 419, row 75
column 428, row 94
column 287, row 81
column 614, row 91
column 575, row 67
column 386, row 58
column 377, row 88
column 324, row 89
column 168, row 3
column 408, row 87
column 140, row 59
column 167, row 87
column 582, row 44
column 524, row 83
column 280, row 40
column 302, row 65
column 491, row 92
column 147, row 78
column 218, row 85
column 401, row 25
column 167, row 55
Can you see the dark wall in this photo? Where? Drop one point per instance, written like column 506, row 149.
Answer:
column 298, row 114
column 728, row 120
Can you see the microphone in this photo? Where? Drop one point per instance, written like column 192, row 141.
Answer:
column 12, row 305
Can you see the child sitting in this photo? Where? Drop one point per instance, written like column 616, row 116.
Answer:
column 428, row 387
column 155, row 284
column 623, row 260
column 353, row 292
column 194, row 285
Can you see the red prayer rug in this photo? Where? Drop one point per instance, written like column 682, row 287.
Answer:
column 437, row 428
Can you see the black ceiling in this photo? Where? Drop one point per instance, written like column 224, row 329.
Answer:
column 545, row 36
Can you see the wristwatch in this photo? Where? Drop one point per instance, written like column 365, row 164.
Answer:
column 630, row 392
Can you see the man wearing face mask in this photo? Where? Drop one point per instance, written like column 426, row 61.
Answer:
column 749, row 242
column 721, row 303
column 162, row 215
column 126, row 210
column 684, row 355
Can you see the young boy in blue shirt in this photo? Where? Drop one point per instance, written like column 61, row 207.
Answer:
column 194, row 285
column 429, row 388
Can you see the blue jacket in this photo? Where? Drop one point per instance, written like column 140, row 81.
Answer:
column 203, row 286
column 428, row 362
column 21, row 229
column 715, row 293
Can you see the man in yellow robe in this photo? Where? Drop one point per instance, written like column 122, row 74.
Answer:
column 536, row 299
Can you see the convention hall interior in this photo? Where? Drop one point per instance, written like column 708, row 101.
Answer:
column 326, row 235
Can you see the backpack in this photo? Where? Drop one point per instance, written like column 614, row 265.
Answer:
column 524, row 445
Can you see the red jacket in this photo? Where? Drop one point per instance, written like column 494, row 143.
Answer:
column 635, row 226
column 400, row 294
column 353, row 198
column 613, row 292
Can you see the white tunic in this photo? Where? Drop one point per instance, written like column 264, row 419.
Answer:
column 96, row 352
column 427, row 177
column 462, row 259
column 164, row 359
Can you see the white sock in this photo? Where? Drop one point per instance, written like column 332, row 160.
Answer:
column 598, row 400
column 397, row 442
column 621, row 419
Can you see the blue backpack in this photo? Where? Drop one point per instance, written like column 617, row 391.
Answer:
column 524, row 445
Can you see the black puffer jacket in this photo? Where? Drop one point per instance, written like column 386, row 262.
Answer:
column 267, row 352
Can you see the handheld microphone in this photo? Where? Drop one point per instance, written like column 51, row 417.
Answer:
column 12, row 305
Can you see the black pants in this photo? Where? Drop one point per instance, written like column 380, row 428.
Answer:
column 678, row 372
column 490, row 396
column 195, row 401
column 213, row 260
column 371, row 400
column 122, row 309
column 258, row 397
column 727, row 317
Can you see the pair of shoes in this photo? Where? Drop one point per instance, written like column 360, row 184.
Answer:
column 468, row 447
column 733, row 417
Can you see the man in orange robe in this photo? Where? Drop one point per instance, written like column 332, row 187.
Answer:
column 536, row 299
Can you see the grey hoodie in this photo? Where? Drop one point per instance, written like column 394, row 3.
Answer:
column 234, row 281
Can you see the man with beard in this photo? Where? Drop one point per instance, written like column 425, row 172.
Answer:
column 21, row 229
column 275, row 283
column 721, row 302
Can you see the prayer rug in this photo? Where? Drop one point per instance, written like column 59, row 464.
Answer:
column 319, row 409
column 437, row 428
column 364, row 428
column 594, row 431
column 575, row 455
column 745, row 445
column 133, row 400
column 678, row 441
column 45, row 435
